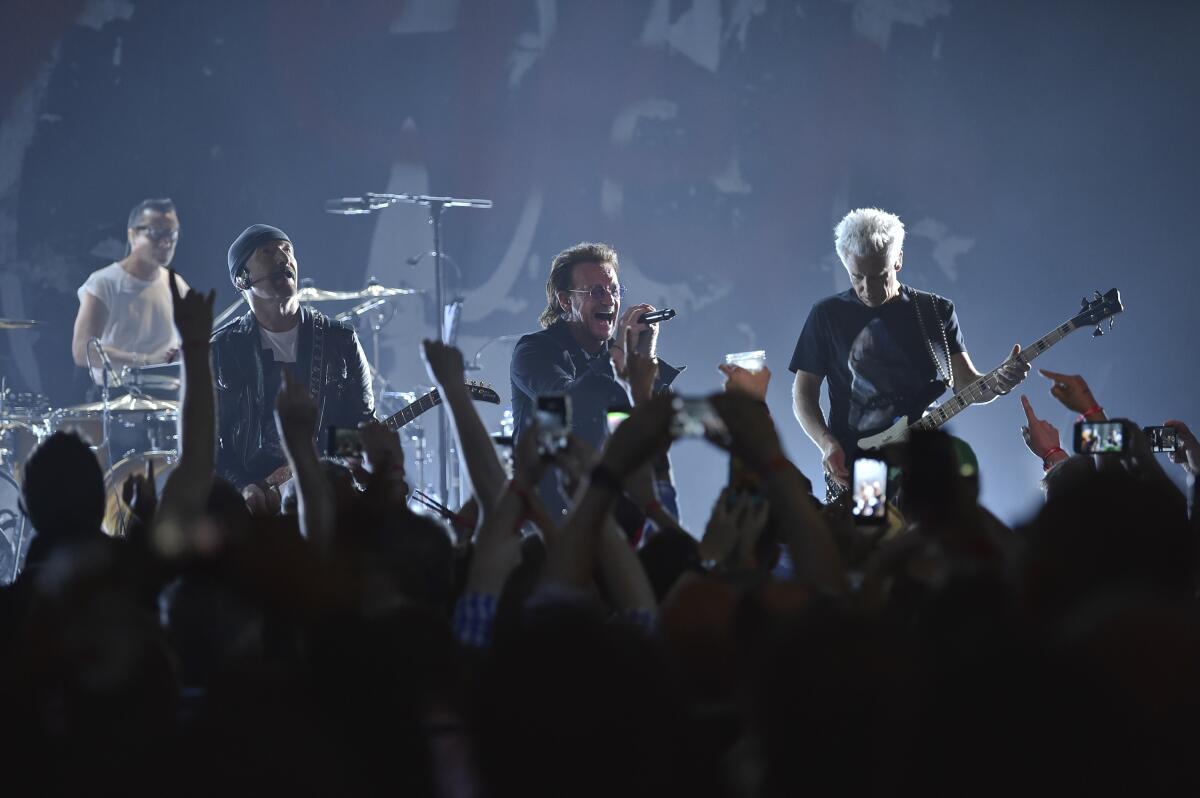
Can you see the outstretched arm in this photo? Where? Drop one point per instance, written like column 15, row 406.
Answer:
column 185, row 493
column 806, row 404
column 296, row 420
column 445, row 365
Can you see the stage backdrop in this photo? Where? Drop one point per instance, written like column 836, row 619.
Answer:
column 1037, row 151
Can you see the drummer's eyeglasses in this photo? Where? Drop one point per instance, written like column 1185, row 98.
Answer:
column 600, row 292
column 159, row 233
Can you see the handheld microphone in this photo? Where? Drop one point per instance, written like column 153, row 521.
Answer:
column 655, row 316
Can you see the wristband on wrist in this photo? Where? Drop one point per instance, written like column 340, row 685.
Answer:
column 604, row 477
column 1090, row 411
column 1046, row 464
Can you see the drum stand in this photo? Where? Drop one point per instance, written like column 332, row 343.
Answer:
column 371, row 202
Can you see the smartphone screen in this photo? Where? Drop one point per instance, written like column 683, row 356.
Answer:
column 615, row 416
column 1162, row 439
column 343, row 442
column 868, row 483
column 1100, row 437
column 553, row 417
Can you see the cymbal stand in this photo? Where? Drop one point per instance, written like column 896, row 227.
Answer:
column 106, row 371
column 437, row 205
column 378, row 321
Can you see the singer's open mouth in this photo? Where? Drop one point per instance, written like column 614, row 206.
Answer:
column 605, row 315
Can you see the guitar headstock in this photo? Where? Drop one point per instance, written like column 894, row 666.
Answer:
column 1097, row 309
column 482, row 392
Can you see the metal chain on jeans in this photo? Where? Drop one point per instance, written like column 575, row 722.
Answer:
column 946, row 374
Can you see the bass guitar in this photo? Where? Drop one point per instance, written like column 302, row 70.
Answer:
column 1092, row 314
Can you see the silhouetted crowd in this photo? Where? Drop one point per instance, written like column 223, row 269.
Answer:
column 351, row 646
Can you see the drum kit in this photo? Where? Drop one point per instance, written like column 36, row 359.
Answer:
column 138, row 425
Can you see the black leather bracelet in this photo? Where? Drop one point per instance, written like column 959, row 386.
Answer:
column 604, row 477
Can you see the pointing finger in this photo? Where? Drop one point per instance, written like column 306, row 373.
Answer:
column 1029, row 414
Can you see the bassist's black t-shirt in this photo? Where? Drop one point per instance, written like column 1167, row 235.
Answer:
column 876, row 361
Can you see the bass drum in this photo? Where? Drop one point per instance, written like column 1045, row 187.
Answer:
column 116, row 511
column 15, row 532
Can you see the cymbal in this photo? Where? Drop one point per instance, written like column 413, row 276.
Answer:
column 126, row 403
column 17, row 324
column 312, row 294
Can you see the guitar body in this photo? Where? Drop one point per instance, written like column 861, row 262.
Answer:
column 897, row 433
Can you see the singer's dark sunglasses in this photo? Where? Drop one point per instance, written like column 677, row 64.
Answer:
column 600, row 292
column 159, row 233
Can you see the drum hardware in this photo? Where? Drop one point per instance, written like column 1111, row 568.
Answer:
column 117, row 514
column 162, row 377
column 14, row 530
column 23, row 426
column 473, row 365
column 370, row 202
column 310, row 293
column 225, row 314
column 133, row 423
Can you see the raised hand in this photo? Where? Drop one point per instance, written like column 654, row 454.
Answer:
column 1187, row 450
column 193, row 312
column 1040, row 435
column 528, row 464
column 733, row 529
column 721, row 531
column 752, row 433
column 295, row 412
column 140, row 493
column 641, row 370
column 443, row 362
column 1070, row 389
column 753, row 383
column 645, row 434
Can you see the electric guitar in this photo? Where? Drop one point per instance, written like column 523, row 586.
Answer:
column 479, row 391
column 1092, row 314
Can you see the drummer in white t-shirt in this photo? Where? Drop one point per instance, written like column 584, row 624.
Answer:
column 127, row 304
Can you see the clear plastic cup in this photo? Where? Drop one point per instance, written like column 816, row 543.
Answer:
column 750, row 361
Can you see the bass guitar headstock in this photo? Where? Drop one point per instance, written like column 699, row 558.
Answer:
column 1094, row 311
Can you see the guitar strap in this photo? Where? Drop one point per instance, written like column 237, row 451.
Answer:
column 946, row 374
column 316, row 373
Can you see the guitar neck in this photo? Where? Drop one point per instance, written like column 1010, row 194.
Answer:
column 980, row 388
column 409, row 413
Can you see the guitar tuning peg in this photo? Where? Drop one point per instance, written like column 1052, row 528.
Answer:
column 1098, row 331
column 1083, row 303
column 1112, row 322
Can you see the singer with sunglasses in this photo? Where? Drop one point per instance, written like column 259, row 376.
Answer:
column 581, row 349
column 127, row 304
column 250, row 353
